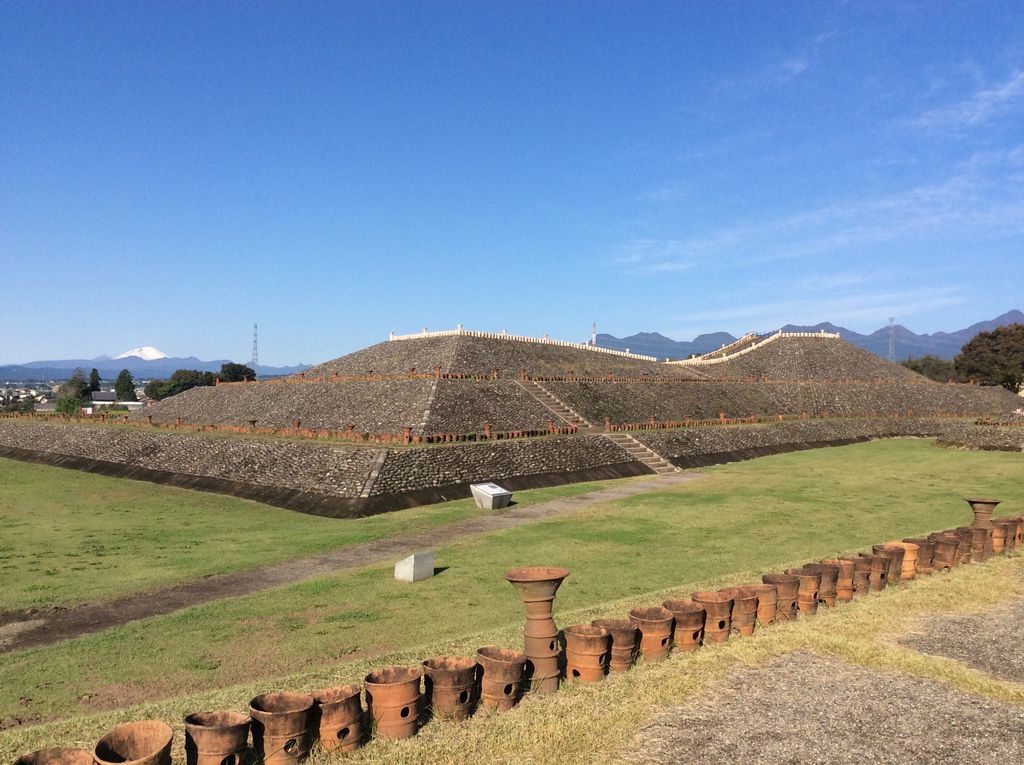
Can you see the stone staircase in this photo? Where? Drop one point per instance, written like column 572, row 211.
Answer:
column 554, row 404
column 642, row 453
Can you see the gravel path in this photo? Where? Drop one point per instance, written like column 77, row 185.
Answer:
column 806, row 709
column 990, row 642
column 20, row 630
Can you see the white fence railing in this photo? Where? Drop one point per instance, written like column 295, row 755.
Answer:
column 701, row 361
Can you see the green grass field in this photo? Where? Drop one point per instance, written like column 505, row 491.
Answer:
column 737, row 521
column 68, row 537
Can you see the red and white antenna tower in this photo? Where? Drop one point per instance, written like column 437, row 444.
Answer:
column 593, row 333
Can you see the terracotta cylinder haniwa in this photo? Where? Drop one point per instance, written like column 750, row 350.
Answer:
column 895, row 556
column 146, row 742
column 879, row 571
column 281, row 726
column 212, row 738
column 767, row 603
column 862, row 575
column 625, row 642
column 925, row 553
column 787, row 587
column 449, row 684
column 537, row 586
column 718, row 615
column 844, row 578
column 829, row 572
column 807, row 591
column 908, row 570
column 1009, row 527
column 393, row 698
column 689, row 623
column 339, row 714
column 965, row 539
column 57, row 755
column 501, row 674
column 586, row 652
column 655, row 625
column 1020, row 530
column 983, row 509
column 946, row 550
column 744, row 609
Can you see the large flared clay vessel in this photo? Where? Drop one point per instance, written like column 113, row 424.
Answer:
column 787, row 588
column 625, row 637
column 983, row 509
column 282, row 726
column 449, row 686
column 586, row 652
column 689, row 620
column 895, row 556
column 393, row 700
column 945, row 554
column 767, row 603
column 879, row 571
column 744, row 609
column 861, row 575
column 146, row 742
column 537, row 586
column 844, row 577
column 213, row 738
column 908, row 570
column 655, row 625
column 501, row 676
column 925, row 553
column 827, row 592
column 718, row 615
column 338, row 713
column 57, row 755
column 807, row 590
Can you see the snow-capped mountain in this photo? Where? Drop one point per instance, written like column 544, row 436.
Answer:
column 146, row 353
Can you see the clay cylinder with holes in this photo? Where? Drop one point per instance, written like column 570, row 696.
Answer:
column 625, row 639
column 1020, row 530
column 965, row 537
column 655, row 625
column 537, row 586
column 807, row 590
column 586, row 652
column 1008, row 527
column 952, row 536
column 449, row 684
column 908, row 567
column 216, row 738
column 393, row 699
column 767, row 603
column 879, row 571
column 501, row 676
column 281, row 726
column 844, row 579
column 925, row 553
column 998, row 538
column 744, row 609
column 861, row 575
column 57, row 755
column 829, row 582
column 718, row 615
column 339, row 715
column 786, row 588
column 689, row 623
column 895, row 556
column 945, row 552
column 146, row 742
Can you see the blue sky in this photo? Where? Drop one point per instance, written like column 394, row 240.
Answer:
column 172, row 172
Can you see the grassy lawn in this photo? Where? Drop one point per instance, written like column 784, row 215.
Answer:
column 738, row 521
column 68, row 537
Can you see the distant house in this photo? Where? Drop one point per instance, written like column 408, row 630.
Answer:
column 103, row 397
column 45, row 406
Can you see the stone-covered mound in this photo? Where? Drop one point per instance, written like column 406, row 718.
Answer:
column 465, row 355
column 810, row 358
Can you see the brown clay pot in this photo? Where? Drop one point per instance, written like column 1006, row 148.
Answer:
column 586, row 652
column 787, row 588
column 146, row 742
column 689, row 621
column 501, row 676
column 844, row 578
column 744, row 609
column 998, row 538
column 449, row 684
column 339, row 716
column 281, row 726
column 655, row 625
column 862, row 574
column 954, row 535
column 625, row 640
column 537, row 586
column 879, row 571
column 983, row 509
column 212, row 738
column 895, row 556
column 1020, row 530
column 1009, row 527
column 829, row 582
column 767, row 603
column 393, row 699
column 925, row 553
column 718, row 615
column 807, row 591
column 965, row 541
column 57, row 755
column 946, row 552
column 908, row 570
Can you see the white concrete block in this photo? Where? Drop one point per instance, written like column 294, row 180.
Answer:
column 416, row 567
column 490, row 496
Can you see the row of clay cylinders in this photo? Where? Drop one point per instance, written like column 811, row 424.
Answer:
column 1006, row 534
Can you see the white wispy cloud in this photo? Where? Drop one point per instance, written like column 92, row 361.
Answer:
column 779, row 71
column 978, row 108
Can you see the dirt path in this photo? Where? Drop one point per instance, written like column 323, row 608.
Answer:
column 24, row 630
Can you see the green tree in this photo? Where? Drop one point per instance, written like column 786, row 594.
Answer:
column 932, row 367
column 994, row 358
column 125, row 386
column 69, row 405
column 236, row 373
column 180, row 381
column 76, row 386
column 94, row 381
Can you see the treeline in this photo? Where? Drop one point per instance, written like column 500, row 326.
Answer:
column 183, row 379
column 990, row 358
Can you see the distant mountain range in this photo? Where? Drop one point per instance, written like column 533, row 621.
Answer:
column 907, row 344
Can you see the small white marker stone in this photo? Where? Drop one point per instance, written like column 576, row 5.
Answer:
column 416, row 567
column 490, row 496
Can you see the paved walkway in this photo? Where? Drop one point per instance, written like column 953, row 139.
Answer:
column 23, row 630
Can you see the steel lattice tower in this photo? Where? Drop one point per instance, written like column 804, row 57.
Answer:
column 892, row 339
column 255, row 362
